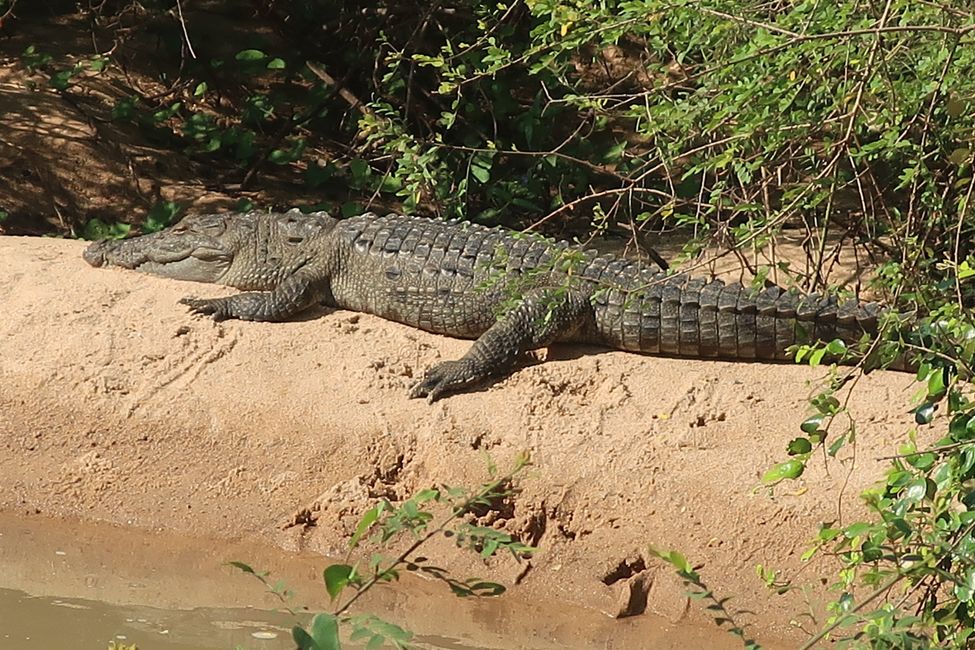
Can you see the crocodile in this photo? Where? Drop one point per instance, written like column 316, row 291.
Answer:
column 512, row 292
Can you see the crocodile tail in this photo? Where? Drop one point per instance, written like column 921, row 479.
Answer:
column 693, row 317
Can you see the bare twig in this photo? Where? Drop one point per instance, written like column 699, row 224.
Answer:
column 343, row 92
column 182, row 23
column 8, row 13
column 748, row 21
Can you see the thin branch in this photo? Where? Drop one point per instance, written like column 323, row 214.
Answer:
column 186, row 35
column 958, row 227
column 8, row 13
column 343, row 92
column 880, row 591
column 457, row 512
column 748, row 21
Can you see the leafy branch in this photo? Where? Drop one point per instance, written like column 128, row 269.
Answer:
column 387, row 523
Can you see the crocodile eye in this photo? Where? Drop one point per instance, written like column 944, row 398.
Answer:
column 213, row 227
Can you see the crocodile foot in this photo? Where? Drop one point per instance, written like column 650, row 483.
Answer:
column 213, row 307
column 444, row 377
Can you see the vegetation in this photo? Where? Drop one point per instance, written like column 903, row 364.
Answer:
column 846, row 125
column 412, row 521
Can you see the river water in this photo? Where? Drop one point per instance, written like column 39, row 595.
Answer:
column 83, row 585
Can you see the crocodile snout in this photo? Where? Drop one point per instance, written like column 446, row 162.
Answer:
column 95, row 253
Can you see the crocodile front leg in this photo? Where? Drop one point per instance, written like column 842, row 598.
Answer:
column 542, row 317
column 298, row 292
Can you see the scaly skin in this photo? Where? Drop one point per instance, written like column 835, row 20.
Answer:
column 459, row 279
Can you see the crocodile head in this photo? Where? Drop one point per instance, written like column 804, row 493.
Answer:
column 214, row 248
column 198, row 248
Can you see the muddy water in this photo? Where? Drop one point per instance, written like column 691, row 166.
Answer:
column 73, row 585
column 45, row 622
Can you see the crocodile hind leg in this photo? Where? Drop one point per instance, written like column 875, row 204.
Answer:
column 293, row 295
column 540, row 318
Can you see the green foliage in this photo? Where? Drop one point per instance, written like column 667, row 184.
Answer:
column 162, row 215
column 415, row 522
column 907, row 567
column 96, row 229
column 699, row 591
column 732, row 123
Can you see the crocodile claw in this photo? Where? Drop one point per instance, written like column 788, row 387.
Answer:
column 212, row 307
column 441, row 379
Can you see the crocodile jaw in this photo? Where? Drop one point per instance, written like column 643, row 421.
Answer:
column 195, row 258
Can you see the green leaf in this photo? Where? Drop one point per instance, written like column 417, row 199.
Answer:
column 323, row 634
column 678, row 561
column 816, row 358
column 960, row 156
column 325, row 631
column 481, row 164
column 337, row 578
column 923, row 371
column 956, row 106
column 391, row 184
column 162, row 215
column 246, row 568
column 428, row 494
column 97, row 229
column 965, row 588
column 61, row 79
column 123, row 108
column 965, row 270
column 837, row 445
column 250, row 55
column 922, row 461
column 916, row 490
column 828, row 534
column 482, row 174
column 360, row 169
column 377, row 641
column 799, row 446
column 276, row 64
column 812, row 424
column 924, row 413
column 615, row 153
column 936, row 385
column 674, row 558
column 826, row 404
column 791, row 469
column 857, row 529
column 359, row 634
column 836, row 347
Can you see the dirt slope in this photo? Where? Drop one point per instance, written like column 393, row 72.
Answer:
column 117, row 405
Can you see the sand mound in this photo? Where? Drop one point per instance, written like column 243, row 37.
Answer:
column 118, row 405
